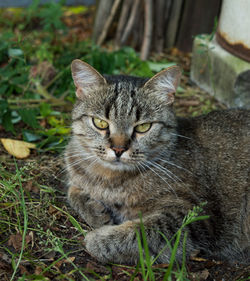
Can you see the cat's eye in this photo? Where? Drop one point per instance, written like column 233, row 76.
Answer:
column 143, row 128
column 100, row 124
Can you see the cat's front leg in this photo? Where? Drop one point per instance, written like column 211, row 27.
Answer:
column 94, row 212
column 116, row 243
column 119, row 243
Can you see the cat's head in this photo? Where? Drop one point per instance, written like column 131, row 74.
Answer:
column 123, row 122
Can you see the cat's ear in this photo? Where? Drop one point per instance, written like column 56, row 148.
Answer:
column 165, row 82
column 85, row 76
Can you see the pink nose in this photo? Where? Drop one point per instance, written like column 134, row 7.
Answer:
column 118, row 150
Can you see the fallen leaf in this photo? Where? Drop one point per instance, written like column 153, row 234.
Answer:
column 198, row 259
column 95, row 267
column 64, row 261
column 19, row 149
column 55, row 212
column 23, row 269
column 38, row 270
column 15, row 241
column 30, row 238
column 122, row 272
column 201, row 275
column 29, row 186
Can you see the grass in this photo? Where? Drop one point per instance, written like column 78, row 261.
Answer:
column 24, row 215
column 34, row 238
column 147, row 262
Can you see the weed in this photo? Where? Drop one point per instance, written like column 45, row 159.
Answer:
column 29, row 225
column 146, row 261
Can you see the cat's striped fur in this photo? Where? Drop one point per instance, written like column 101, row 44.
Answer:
column 117, row 172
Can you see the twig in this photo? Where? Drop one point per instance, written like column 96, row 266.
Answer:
column 33, row 105
column 42, row 91
column 27, row 101
column 56, row 77
column 122, row 21
column 147, row 30
column 130, row 23
column 108, row 22
column 159, row 25
column 102, row 13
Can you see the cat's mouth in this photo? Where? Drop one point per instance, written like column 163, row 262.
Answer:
column 117, row 164
column 117, row 161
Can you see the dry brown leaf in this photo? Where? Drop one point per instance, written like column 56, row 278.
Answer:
column 31, row 187
column 64, row 261
column 54, row 212
column 15, row 241
column 38, row 270
column 201, row 275
column 30, row 238
column 23, row 269
column 198, row 259
column 98, row 268
column 19, row 149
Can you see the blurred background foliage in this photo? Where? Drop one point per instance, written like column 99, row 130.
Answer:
column 36, row 89
column 37, row 46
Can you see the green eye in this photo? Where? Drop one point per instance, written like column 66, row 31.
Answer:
column 100, row 124
column 143, row 128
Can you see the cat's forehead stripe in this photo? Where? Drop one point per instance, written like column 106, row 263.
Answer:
column 125, row 102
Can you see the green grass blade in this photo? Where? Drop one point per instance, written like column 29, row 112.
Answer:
column 25, row 222
column 146, row 251
column 168, row 273
column 72, row 220
column 141, row 258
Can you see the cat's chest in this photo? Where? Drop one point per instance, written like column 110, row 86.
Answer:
column 125, row 201
column 118, row 196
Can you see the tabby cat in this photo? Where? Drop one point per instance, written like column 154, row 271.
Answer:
column 130, row 154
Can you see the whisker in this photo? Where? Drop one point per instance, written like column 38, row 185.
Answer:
column 191, row 191
column 78, row 162
column 144, row 169
column 147, row 166
column 82, row 156
column 181, row 136
column 166, row 171
column 91, row 164
column 175, row 165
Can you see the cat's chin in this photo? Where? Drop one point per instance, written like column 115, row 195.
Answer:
column 117, row 166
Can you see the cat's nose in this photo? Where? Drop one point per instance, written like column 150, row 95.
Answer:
column 118, row 150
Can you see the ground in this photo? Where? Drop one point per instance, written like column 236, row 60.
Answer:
column 41, row 237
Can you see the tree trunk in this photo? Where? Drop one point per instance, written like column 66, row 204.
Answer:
column 130, row 23
column 108, row 22
column 148, row 4
column 103, row 10
column 122, row 21
column 158, row 34
column 173, row 23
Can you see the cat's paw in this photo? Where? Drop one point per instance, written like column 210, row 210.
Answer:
column 98, row 243
column 94, row 212
column 113, row 244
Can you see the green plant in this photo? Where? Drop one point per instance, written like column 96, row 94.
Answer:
column 29, row 96
column 49, row 15
column 23, row 217
column 11, row 191
column 146, row 261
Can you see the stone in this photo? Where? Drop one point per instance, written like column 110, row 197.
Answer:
column 220, row 73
